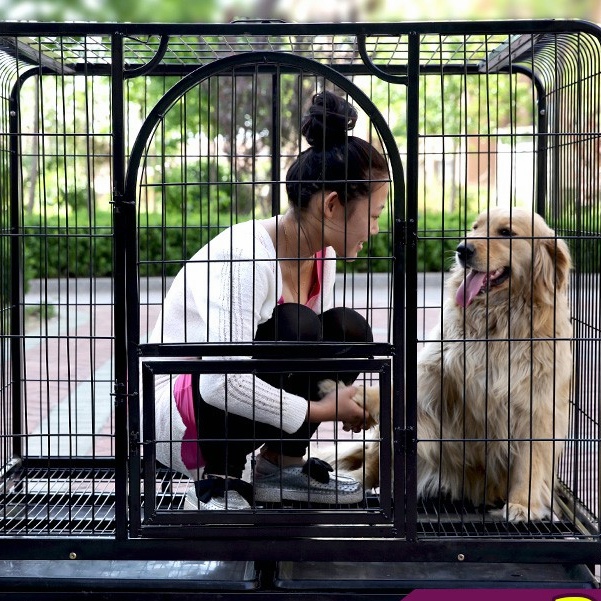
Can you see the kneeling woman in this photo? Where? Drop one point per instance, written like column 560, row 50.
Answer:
column 273, row 280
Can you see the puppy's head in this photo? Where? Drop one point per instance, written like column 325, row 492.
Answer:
column 510, row 249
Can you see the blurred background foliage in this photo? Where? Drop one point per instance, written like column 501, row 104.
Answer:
column 172, row 207
column 179, row 11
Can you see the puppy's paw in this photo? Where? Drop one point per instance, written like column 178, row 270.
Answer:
column 512, row 512
column 515, row 512
column 372, row 403
column 368, row 399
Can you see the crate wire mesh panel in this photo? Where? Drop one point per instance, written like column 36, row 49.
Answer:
column 158, row 508
column 483, row 114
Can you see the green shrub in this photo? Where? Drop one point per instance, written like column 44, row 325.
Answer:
column 164, row 249
column 54, row 249
column 437, row 238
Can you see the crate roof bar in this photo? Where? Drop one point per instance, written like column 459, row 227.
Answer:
column 180, row 48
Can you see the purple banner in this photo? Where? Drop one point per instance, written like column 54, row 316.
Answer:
column 505, row 595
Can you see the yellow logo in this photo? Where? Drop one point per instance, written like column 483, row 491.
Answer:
column 572, row 598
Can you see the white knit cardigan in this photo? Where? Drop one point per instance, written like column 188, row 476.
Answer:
column 222, row 294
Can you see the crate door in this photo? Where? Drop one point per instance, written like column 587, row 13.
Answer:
column 214, row 153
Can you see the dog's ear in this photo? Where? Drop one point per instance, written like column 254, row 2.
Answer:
column 563, row 263
column 552, row 264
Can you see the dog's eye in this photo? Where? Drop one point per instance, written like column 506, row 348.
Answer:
column 505, row 231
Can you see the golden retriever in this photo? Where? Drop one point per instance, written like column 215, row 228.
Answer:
column 493, row 381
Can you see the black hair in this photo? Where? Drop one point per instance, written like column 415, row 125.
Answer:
column 335, row 161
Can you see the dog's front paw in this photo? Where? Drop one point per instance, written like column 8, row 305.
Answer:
column 369, row 399
column 366, row 398
column 515, row 512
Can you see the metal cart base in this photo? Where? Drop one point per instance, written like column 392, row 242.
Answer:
column 183, row 580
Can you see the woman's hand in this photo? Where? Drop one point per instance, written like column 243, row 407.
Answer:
column 339, row 405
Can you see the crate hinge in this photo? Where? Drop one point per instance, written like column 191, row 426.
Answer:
column 404, row 439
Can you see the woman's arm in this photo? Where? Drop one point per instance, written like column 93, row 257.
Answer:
column 235, row 292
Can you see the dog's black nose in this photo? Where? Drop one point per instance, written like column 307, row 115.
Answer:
column 465, row 251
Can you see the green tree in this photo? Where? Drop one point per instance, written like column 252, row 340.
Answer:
column 110, row 10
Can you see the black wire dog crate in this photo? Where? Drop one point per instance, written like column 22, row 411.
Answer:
column 126, row 148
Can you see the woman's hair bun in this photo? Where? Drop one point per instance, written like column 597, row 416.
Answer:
column 328, row 120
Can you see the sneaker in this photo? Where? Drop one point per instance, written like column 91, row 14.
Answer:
column 309, row 483
column 213, row 494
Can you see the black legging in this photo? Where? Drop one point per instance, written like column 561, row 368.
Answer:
column 226, row 439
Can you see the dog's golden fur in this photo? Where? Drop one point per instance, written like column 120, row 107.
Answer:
column 493, row 384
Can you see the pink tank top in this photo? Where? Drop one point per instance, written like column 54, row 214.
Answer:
column 184, row 401
column 316, row 282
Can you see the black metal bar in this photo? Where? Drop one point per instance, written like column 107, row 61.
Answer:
column 272, row 523
column 151, row 64
column 399, row 348
column 120, row 274
column 391, row 495
column 220, row 547
column 398, row 72
column 237, row 366
column 73, row 463
column 411, row 279
column 382, row 74
column 245, row 525
column 451, row 27
column 149, row 456
column 285, row 349
column 16, row 270
column 276, row 151
column 542, row 120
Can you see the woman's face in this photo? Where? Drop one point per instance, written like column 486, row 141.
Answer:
column 350, row 228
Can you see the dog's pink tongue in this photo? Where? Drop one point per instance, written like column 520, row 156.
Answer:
column 470, row 288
